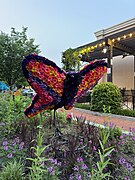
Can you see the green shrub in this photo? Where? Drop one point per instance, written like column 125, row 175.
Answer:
column 105, row 96
column 124, row 112
column 82, row 106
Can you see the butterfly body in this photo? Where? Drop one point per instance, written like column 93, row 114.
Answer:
column 56, row 88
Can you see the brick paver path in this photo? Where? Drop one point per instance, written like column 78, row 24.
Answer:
column 120, row 121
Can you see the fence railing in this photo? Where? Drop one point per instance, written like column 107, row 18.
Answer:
column 128, row 98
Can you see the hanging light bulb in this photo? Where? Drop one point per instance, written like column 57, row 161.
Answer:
column 130, row 34
column 88, row 48
column 105, row 50
column 100, row 44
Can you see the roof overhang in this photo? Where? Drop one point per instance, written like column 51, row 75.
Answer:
column 121, row 38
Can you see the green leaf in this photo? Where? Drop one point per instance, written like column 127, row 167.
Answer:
column 107, row 153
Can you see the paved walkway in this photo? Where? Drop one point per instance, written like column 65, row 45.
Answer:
column 100, row 118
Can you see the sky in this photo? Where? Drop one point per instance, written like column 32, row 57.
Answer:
column 57, row 25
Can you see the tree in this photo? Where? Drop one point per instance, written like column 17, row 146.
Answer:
column 13, row 48
column 70, row 60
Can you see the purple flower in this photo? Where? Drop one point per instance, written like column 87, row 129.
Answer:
column 81, row 141
column 90, row 141
column 5, row 143
column 5, row 148
column 14, row 143
column 88, row 175
column 111, row 125
column 126, row 178
column 71, row 177
column 42, row 163
column 9, row 155
column 105, row 123
column 94, row 148
column 51, row 170
column 17, row 140
column 59, row 163
column 21, row 145
column 78, row 177
column 121, row 137
column 79, row 159
column 51, row 160
column 84, row 166
column 122, row 160
column 129, row 167
column 54, row 161
column 76, row 168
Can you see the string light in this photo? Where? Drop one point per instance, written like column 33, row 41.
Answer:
column 91, row 48
column 100, row 44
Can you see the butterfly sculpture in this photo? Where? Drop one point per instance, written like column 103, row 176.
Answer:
column 56, row 88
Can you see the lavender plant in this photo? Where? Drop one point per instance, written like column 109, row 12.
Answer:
column 12, row 149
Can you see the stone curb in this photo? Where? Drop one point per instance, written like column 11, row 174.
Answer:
column 105, row 114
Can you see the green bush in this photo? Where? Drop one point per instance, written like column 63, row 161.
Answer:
column 82, row 106
column 105, row 96
column 124, row 112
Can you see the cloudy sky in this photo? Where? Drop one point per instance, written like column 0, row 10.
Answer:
column 57, row 25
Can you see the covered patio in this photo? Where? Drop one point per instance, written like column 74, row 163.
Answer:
column 117, row 46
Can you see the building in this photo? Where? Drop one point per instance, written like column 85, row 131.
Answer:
column 116, row 44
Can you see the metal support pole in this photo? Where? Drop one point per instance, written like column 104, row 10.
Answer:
column 109, row 60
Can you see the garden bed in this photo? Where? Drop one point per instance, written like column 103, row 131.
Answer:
column 31, row 148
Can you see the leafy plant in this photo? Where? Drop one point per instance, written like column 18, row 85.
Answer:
column 104, row 159
column 124, row 112
column 12, row 171
column 39, row 169
column 11, row 112
column 105, row 95
column 36, row 170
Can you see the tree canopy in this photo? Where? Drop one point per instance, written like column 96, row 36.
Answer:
column 70, row 60
column 13, row 48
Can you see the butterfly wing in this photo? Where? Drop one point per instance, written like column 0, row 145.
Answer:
column 86, row 79
column 46, row 79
